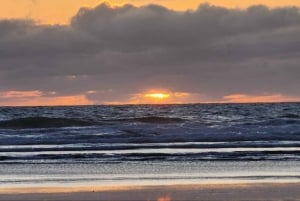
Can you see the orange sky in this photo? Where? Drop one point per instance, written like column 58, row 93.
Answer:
column 60, row 11
column 38, row 98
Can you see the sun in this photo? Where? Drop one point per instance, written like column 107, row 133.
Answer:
column 153, row 97
column 160, row 96
column 157, row 95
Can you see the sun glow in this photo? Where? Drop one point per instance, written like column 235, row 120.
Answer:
column 157, row 95
column 160, row 96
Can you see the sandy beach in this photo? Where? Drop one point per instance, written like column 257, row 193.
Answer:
column 232, row 192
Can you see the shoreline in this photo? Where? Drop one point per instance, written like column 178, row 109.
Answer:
column 189, row 192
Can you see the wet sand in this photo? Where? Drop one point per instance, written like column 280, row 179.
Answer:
column 215, row 192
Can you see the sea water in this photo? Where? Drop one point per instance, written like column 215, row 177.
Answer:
column 149, row 144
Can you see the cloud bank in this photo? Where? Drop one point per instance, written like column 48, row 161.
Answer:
column 114, row 54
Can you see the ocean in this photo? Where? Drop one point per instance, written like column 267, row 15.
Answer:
column 149, row 144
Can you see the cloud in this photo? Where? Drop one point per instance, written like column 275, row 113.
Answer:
column 20, row 94
column 120, row 52
column 38, row 98
column 243, row 98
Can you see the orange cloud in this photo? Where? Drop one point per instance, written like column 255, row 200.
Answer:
column 20, row 94
column 243, row 98
column 38, row 98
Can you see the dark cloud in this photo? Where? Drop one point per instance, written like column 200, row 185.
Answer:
column 117, row 51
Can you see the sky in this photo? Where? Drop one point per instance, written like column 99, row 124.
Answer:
column 79, row 52
column 60, row 11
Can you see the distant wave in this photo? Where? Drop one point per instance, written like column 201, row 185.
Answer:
column 152, row 119
column 43, row 122
column 276, row 122
column 47, row 122
column 290, row 116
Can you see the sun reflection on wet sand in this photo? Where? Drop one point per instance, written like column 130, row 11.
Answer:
column 164, row 198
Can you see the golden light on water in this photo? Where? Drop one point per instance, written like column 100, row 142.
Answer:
column 165, row 198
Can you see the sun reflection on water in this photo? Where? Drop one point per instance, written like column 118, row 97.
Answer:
column 164, row 198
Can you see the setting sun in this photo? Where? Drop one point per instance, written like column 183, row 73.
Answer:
column 163, row 96
column 157, row 95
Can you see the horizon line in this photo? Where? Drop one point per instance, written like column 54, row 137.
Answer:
column 155, row 104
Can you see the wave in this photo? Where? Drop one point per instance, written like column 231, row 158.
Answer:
column 290, row 116
column 48, row 122
column 151, row 119
column 275, row 122
column 287, row 155
column 44, row 122
column 131, row 146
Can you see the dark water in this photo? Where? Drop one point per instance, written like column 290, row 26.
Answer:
column 122, row 136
